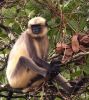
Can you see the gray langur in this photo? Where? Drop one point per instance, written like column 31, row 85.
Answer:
column 27, row 60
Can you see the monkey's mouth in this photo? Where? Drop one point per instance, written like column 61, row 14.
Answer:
column 36, row 29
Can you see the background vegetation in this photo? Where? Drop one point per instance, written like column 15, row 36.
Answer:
column 64, row 17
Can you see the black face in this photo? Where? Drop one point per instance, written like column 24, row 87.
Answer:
column 36, row 29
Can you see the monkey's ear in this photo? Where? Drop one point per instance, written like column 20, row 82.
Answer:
column 46, row 24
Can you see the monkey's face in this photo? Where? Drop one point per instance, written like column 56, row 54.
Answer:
column 37, row 27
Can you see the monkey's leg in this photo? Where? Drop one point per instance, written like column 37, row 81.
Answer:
column 30, row 64
column 64, row 83
column 61, row 80
column 53, row 67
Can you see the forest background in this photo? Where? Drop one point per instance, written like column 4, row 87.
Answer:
column 68, row 22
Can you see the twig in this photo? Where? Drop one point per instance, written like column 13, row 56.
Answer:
column 80, row 54
column 72, row 59
column 20, row 94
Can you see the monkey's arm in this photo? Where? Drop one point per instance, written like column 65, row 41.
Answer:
column 29, row 64
column 42, row 63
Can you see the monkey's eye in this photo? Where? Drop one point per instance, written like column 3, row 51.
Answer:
column 36, row 29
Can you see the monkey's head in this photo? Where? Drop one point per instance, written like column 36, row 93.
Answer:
column 37, row 27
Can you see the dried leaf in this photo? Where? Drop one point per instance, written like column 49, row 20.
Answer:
column 75, row 43
column 60, row 47
column 85, row 40
column 64, row 59
column 67, row 55
column 82, row 48
column 68, row 52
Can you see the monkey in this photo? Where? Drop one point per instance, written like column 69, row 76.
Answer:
column 27, row 59
column 27, row 63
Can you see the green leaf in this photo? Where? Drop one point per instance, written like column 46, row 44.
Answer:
column 73, row 25
column 71, row 5
column 10, row 12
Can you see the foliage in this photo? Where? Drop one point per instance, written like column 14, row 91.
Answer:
column 65, row 18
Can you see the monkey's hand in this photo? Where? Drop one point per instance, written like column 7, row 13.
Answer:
column 54, row 69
